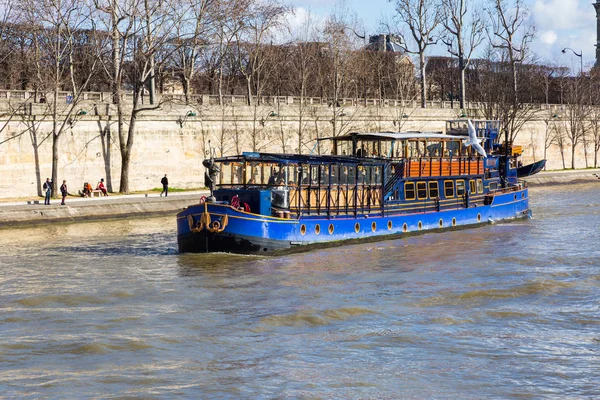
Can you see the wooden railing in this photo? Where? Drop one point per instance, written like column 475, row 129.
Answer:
column 336, row 200
column 432, row 166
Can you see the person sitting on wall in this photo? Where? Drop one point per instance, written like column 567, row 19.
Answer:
column 87, row 190
column 101, row 187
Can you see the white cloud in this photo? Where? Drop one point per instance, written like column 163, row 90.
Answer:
column 563, row 14
column 564, row 23
column 548, row 37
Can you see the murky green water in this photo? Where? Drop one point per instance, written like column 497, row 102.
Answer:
column 110, row 310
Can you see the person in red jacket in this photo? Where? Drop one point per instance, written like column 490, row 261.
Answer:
column 101, row 187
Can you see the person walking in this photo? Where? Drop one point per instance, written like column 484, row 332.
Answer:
column 48, row 188
column 64, row 192
column 165, row 183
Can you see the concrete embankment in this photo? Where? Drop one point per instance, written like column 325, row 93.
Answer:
column 564, row 177
column 20, row 213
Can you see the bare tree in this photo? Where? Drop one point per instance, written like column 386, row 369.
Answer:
column 198, row 30
column 137, row 42
column 462, row 37
column 560, row 139
column 6, row 15
column 422, row 17
column 57, row 22
column 511, row 34
column 595, row 133
column 250, row 52
column 576, row 113
column 301, row 66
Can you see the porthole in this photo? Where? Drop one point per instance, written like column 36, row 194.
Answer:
column 303, row 229
column 515, row 196
column 389, row 225
column 420, row 225
column 441, row 223
column 317, row 229
column 522, row 195
column 357, row 227
column 478, row 217
column 330, row 229
column 453, row 221
column 405, row 227
column 373, row 226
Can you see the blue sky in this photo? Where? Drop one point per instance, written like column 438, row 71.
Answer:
column 559, row 23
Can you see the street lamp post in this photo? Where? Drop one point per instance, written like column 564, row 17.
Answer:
column 580, row 55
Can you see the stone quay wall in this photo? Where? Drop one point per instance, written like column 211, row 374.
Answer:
column 175, row 139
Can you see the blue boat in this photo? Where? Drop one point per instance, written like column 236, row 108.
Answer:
column 373, row 186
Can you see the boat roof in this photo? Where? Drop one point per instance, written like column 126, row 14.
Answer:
column 302, row 158
column 396, row 136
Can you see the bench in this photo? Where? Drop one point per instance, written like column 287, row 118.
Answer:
column 96, row 192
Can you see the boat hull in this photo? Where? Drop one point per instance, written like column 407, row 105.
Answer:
column 235, row 231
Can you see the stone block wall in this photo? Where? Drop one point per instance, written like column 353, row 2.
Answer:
column 174, row 141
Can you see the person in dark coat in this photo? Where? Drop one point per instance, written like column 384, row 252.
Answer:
column 64, row 192
column 165, row 184
column 48, row 188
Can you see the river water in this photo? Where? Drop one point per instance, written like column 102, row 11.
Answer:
column 110, row 310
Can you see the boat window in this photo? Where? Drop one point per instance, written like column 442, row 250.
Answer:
column 305, row 175
column 460, row 187
column 421, row 190
column 433, row 189
column 472, row 188
column 343, row 147
column 314, row 175
column 362, row 175
column 479, row 186
column 225, row 176
column 493, row 185
column 351, row 175
column 343, row 175
column 324, row 177
column 448, row 189
column 409, row 191
column 376, row 175
column 252, row 173
column 275, row 173
column 335, row 169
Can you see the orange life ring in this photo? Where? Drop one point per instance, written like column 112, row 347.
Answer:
column 202, row 200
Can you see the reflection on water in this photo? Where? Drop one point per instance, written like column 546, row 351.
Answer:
column 109, row 309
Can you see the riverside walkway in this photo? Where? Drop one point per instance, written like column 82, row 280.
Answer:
column 21, row 212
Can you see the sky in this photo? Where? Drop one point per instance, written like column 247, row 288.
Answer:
column 559, row 24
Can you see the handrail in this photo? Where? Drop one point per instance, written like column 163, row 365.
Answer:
column 206, row 99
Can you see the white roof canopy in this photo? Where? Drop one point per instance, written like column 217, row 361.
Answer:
column 399, row 136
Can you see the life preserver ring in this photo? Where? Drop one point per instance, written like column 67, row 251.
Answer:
column 202, row 200
column 235, row 202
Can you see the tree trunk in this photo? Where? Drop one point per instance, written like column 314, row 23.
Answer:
column 126, row 153
column 461, row 68
column 423, row 83
column 186, row 88
column 36, row 156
